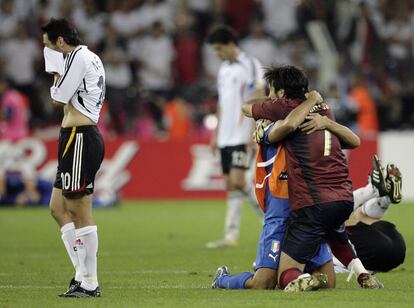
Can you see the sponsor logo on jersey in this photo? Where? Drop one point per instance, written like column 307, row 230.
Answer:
column 274, row 257
column 283, row 176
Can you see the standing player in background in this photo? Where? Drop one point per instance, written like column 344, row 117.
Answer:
column 80, row 90
column 239, row 79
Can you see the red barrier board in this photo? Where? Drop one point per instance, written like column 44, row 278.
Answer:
column 156, row 169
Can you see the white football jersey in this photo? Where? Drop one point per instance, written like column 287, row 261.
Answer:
column 82, row 83
column 236, row 83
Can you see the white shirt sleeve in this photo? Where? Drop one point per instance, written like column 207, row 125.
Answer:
column 259, row 75
column 64, row 88
column 54, row 62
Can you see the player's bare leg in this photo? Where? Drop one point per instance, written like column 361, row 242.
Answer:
column 263, row 278
column 62, row 217
column 58, row 208
column 80, row 208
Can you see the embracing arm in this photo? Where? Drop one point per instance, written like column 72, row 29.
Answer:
column 315, row 122
column 247, row 108
column 295, row 118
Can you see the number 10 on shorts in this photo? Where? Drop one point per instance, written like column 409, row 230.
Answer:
column 65, row 180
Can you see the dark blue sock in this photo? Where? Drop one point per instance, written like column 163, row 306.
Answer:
column 233, row 281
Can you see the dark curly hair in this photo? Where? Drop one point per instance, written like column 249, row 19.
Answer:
column 61, row 27
column 289, row 78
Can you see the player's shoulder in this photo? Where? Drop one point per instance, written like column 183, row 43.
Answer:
column 84, row 52
column 283, row 102
column 78, row 55
column 89, row 57
column 249, row 59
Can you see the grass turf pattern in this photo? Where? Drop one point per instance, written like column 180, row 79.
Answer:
column 152, row 254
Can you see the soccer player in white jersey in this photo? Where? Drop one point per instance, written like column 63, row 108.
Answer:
column 239, row 79
column 80, row 90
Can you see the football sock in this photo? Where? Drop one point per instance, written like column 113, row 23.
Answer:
column 288, row 276
column 69, row 238
column 355, row 267
column 232, row 222
column 376, row 207
column 234, row 281
column 87, row 248
column 342, row 251
column 363, row 194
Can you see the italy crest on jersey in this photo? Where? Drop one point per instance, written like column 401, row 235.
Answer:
column 275, row 247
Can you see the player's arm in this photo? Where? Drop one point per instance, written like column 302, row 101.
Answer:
column 213, row 141
column 247, row 108
column 295, row 118
column 315, row 122
column 65, row 87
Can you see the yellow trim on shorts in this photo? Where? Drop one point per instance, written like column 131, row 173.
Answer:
column 72, row 135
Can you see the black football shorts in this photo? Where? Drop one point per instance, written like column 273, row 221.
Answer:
column 234, row 157
column 80, row 154
column 310, row 226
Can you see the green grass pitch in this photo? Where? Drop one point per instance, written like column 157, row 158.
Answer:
column 151, row 254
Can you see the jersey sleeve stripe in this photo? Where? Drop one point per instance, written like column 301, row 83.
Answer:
column 67, row 70
column 67, row 60
column 84, row 85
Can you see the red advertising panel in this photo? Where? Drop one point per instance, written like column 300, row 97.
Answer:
column 154, row 169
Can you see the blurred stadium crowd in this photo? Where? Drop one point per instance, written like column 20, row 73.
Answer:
column 161, row 74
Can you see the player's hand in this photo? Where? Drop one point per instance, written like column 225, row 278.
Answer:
column 315, row 96
column 259, row 132
column 313, row 122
